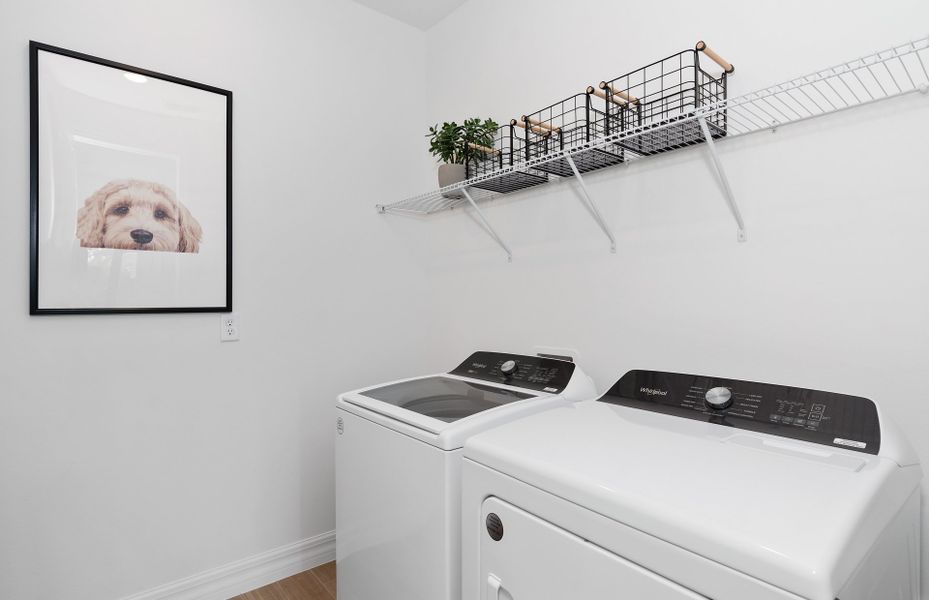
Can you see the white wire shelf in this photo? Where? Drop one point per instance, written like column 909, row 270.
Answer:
column 890, row 73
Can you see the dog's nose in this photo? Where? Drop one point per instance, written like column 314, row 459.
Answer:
column 141, row 236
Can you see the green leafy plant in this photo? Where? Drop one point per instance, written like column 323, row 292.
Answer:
column 452, row 142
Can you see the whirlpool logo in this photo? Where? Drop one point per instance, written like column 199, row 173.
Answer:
column 652, row 391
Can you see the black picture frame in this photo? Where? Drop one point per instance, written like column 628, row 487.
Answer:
column 34, row 293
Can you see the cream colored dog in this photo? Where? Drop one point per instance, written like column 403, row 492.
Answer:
column 137, row 215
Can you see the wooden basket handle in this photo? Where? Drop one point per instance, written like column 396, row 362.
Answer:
column 484, row 149
column 592, row 90
column 614, row 99
column 619, row 93
column 719, row 60
column 538, row 123
column 532, row 128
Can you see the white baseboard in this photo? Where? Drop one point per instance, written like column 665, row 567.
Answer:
column 247, row 574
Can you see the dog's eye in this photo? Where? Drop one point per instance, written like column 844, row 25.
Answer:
column 160, row 214
column 121, row 210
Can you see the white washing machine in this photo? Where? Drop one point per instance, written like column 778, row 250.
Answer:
column 674, row 487
column 398, row 467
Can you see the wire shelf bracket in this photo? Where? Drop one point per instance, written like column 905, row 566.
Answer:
column 723, row 180
column 591, row 204
column 487, row 227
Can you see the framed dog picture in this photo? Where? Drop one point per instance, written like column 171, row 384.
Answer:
column 131, row 175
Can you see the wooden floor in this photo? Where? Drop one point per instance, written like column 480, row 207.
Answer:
column 315, row 584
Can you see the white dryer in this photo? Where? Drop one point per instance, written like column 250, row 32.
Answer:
column 398, row 467
column 673, row 487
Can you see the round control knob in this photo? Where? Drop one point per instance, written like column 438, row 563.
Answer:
column 719, row 398
column 509, row 367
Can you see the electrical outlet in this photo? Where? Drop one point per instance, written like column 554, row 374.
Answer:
column 229, row 332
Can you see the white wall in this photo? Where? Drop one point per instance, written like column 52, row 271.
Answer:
column 119, row 473
column 829, row 292
column 136, row 450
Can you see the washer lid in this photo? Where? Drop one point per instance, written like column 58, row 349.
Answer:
column 444, row 398
column 445, row 410
column 486, row 390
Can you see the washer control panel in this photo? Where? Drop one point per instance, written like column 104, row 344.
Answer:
column 531, row 372
column 837, row 420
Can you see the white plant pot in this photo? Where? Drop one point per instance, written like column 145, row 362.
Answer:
column 449, row 174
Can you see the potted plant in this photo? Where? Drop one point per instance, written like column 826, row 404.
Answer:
column 455, row 145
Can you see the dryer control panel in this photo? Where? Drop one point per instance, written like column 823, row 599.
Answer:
column 838, row 420
column 531, row 372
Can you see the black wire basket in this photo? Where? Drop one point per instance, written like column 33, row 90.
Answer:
column 572, row 123
column 653, row 105
column 656, row 100
column 507, row 150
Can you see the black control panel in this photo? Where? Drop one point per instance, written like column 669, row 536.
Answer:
column 530, row 372
column 837, row 420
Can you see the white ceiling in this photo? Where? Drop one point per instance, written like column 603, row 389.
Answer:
column 418, row 13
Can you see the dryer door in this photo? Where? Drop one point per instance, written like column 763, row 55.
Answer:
column 526, row 558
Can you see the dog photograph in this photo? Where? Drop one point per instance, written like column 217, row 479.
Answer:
column 131, row 214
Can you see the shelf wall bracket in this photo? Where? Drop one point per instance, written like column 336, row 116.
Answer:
column 591, row 204
column 727, row 190
column 487, row 227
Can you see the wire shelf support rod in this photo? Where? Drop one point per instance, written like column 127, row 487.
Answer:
column 490, row 230
column 591, row 204
column 723, row 179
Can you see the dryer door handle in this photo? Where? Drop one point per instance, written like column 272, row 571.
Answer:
column 493, row 587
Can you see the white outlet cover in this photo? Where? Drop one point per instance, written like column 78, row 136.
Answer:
column 229, row 328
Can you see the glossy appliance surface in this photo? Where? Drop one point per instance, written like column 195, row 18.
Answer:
column 690, row 478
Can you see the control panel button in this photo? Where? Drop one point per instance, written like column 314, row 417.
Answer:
column 509, row 367
column 719, row 398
